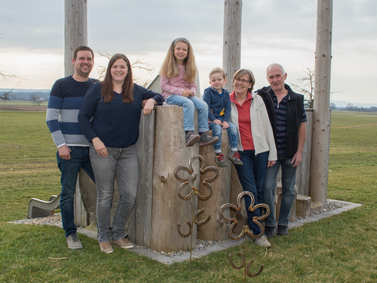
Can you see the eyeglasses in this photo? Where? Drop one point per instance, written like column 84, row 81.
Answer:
column 181, row 39
column 243, row 81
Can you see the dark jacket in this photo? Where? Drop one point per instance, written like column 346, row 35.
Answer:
column 217, row 103
column 295, row 105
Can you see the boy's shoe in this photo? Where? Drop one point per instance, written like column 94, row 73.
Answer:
column 73, row 242
column 191, row 138
column 263, row 242
column 206, row 139
column 236, row 158
column 220, row 160
column 269, row 231
column 123, row 243
column 106, row 247
column 283, row 230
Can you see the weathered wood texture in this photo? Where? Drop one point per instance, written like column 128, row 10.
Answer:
column 232, row 39
column 76, row 30
column 235, row 190
column 303, row 171
column 321, row 121
column 139, row 224
column 167, row 208
column 215, row 229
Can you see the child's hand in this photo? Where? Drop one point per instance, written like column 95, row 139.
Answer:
column 217, row 121
column 225, row 125
column 187, row 93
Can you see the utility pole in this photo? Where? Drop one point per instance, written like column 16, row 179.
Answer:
column 322, row 114
column 232, row 39
column 76, row 30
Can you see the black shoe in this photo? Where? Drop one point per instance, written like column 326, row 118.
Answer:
column 269, row 231
column 283, row 230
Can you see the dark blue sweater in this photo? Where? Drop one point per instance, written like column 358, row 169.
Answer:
column 115, row 123
column 216, row 103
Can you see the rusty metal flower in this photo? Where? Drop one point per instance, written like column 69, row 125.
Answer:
column 234, row 220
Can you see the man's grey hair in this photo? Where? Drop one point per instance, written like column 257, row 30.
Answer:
column 276, row 64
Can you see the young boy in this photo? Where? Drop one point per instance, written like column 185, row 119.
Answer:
column 218, row 102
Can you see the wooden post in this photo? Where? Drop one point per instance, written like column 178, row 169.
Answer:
column 321, row 121
column 76, row 30
column 167, row 207
column 232, row 39
column 215, row 229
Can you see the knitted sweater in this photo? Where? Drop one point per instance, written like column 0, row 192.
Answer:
column 176, row 85
column 63, row 107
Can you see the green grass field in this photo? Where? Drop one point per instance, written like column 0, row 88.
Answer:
column 337, row 249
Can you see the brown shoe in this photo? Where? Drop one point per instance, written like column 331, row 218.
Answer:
column 106, row 247
column 123, row 243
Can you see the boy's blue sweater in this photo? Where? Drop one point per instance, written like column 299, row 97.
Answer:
column 217, row 103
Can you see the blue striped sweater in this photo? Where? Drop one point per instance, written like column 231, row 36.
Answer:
column 63, row 107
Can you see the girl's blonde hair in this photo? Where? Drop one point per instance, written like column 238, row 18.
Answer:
column 170, row 67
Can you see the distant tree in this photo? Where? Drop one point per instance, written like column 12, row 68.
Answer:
column 332, row 106
column 307, row 88
column 6, row 95
column 140, row 64
column 33, row 97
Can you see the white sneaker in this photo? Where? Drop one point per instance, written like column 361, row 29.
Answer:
column 263, row 242
column 73, row 242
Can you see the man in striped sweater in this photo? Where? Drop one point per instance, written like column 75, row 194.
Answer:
column 64, row 104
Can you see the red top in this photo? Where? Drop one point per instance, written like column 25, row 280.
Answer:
column 244, row 121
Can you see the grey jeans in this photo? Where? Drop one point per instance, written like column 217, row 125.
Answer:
column 122, row 164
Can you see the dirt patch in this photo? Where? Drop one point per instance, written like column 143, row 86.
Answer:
column 10, row 107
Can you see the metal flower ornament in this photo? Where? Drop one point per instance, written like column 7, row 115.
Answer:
column 193, row 175
column 245, row 231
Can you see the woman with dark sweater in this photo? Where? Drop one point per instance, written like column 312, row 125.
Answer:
column 109, row 118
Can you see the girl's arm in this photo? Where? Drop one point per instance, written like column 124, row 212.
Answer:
column 192, row 87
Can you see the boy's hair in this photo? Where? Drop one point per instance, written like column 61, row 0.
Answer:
column 81, row 48
column 170, row 68
column 217, row 71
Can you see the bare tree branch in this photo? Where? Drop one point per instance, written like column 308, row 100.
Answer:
column 140, row 64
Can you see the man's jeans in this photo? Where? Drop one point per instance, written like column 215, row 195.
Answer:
column 252, row 175
column 69, row 170
column 121, row 163
column 189, row 104
column 232, row 134
column 288, row 190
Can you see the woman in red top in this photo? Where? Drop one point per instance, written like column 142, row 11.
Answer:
column 256, row 143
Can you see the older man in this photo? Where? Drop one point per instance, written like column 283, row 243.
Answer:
column 73, row 149
column 288, row 117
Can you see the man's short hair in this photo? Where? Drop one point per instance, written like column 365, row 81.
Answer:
column 276, row 64
column 81, row 48
column 217, row 71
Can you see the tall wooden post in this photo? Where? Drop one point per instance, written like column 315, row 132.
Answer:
column 321, row 121
column 76, row 30
column 232, row 39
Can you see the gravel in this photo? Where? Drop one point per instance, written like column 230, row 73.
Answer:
column 55, row 220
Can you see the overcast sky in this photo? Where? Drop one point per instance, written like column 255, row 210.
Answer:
column 32, row 38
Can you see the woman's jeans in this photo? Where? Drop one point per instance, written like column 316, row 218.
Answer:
column 251, row 175
column 69, row 170
column 189, row 104
column 232, row 134
column 288, row 180
column 121, row 163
